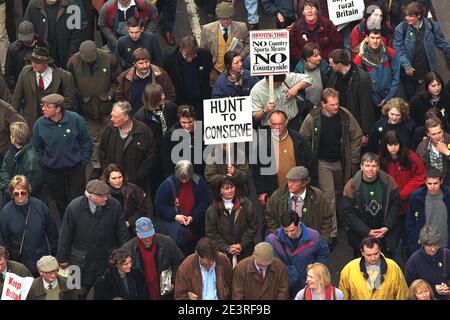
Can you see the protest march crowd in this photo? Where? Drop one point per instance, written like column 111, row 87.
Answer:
column 111, row 189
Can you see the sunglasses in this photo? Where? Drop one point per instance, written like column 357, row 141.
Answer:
column 20, row 193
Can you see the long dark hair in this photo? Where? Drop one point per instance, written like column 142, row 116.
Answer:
column 429, row 78
column 391, row 137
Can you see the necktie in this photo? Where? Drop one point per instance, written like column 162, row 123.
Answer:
column 41, row 84
column 50, row 287
column 225, row 34
column 261, row 274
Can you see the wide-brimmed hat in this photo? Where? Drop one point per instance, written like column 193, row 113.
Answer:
column 40, row 55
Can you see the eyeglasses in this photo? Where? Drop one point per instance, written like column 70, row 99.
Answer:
column 50, row 272
column 47, row 106
column 19, row 193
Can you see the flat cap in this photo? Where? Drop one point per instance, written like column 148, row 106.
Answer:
column 297, row 173
column 88, row 51
column 53, row 98
column 97, row 187
column 224, row 10
column 264, row 253
column 47, row 264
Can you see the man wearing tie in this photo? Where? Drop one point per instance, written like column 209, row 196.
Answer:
column 217, row 37
column 39, row 79
column 307, row 201
column 260, row 276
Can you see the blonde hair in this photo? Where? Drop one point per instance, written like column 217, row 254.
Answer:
column 19, row 181
column 20, row 133
column 399, row 104
column 419, row 284
column 321, row 272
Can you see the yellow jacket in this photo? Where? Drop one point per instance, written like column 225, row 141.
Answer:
column 354, row 285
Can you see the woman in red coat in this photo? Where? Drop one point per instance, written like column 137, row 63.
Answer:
column 403, row 165
column 406, row 168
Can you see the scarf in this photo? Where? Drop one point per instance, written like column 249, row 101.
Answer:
column 162, row 120
column 373, row 58
column 151, row 273
column 330, row 293
column 237, row 79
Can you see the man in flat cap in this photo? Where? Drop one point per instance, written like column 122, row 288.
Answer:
column 93, row 226
column 62, row 141
column 261, row 276
column 17, row 52
column 335, row 137
column 95, row 72
column 50, row 285
column 54, row 22
column 217, row 37
column 298, row 195
column 38, row 80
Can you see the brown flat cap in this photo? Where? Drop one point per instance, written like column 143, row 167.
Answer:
column 53, row 98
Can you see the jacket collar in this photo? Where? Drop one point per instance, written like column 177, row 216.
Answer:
column 383, row 267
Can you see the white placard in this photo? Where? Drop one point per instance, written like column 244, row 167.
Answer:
column 269, row 52
column 16, row 287
column 343, row 11
column 227, row 120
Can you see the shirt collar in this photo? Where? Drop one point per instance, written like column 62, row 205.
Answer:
column 47, row 73
column 301, row 196
column 213, row 267
column 54, row 283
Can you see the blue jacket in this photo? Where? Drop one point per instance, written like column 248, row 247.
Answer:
column 433, row 37
column 165, row 198
column 385, row 77
column 225, row 88
column 126, row 46
column 64, row 144
column 311, row 248
column 41, row 227
column 430, row 268
column 415, row 217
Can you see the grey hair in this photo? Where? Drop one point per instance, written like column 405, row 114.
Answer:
column 184, row 170
column 124, row 107
column 429, row 235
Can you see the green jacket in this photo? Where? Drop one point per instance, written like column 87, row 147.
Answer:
column 27, row 97
column 25, row 162
column 95, row 93
column 350, row 139
column 316, row 215
column 37, row 291
column 219, row 230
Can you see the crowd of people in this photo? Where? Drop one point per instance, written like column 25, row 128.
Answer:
column 104, row 166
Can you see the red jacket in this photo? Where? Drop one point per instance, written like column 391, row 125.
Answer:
column 408, row 180
column 359, row 33
column 326, row 35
